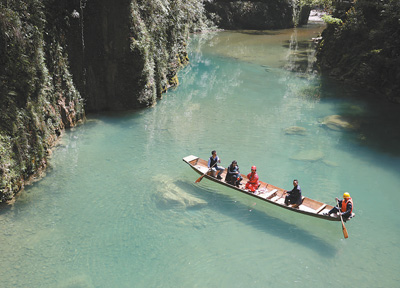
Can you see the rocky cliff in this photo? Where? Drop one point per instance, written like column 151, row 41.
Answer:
column 60, row 58
column 131, row 50
column 38, row 98
column 361, row 45
column 257, row 14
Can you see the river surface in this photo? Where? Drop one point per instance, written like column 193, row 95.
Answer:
column 103, row 215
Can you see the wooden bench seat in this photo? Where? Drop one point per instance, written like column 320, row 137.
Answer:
column 265, row 195
column 320, row 209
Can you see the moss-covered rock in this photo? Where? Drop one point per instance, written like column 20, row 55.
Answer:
column 133, row 49
column 116, row 54
column 364, row 46
column 38, row 98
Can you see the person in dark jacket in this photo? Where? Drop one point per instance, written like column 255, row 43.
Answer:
column 233, row 176
column 294, row 196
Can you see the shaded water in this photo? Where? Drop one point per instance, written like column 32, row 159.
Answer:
column 99, row 218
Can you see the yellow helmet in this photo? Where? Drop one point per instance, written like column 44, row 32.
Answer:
column 346, row 195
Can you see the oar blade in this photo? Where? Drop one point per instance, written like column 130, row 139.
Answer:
column 199, row 179
column 345, row 234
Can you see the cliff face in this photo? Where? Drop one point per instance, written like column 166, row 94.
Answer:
column 114, row 72
column 253, row 14
column 131, row 50
column 59, row 58
column 37, row 96
column 116, row 55
column 362, row 46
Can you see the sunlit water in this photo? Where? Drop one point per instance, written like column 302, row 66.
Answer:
column 99, row 219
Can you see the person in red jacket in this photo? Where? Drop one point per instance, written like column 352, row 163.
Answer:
column 253, row 182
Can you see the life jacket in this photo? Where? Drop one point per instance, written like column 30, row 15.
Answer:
column 344, row 204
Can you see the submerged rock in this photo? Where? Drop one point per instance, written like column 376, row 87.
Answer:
column 337, row 123
column 330, row 163
column 308, row 155
column 169, row 194
column 351, row 109
column 79, row 281
column 295, row 130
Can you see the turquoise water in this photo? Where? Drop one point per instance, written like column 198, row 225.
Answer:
column 101, row 217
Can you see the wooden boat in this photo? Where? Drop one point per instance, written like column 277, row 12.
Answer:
column 266, row 192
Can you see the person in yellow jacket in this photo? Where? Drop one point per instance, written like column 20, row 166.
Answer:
column 345, row 205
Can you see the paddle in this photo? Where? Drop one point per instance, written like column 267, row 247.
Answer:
column 343, row 227
column 201, row 177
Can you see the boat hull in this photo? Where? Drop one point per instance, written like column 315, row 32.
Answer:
column 266, row 192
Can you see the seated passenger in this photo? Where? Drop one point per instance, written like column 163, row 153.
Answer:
column 233, row 176
column 253, row 182
column 294, row 196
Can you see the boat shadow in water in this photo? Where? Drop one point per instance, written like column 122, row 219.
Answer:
column 258, row 219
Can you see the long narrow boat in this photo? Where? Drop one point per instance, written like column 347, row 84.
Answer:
column 266, row 192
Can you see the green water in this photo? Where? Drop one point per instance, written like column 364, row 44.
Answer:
column 99, row 219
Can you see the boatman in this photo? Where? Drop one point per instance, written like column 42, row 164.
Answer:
column 294, row 196
column 212, row 164
column 345, row 205
column 253, row 182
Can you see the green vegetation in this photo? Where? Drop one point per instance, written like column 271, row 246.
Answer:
column 363, row 47
column 40, row 39
column 256, row 14
column 160, row 30
column 129, row 56
column 328, row 19
column 34, row 105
